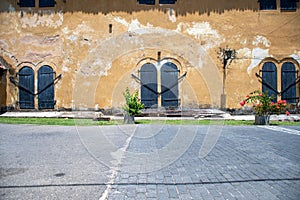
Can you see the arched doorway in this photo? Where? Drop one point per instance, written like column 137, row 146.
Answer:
column 288, row 82
column 45, row 87
column 269, row 78
column 169, row 85
column 149, row 95
column 26, row 88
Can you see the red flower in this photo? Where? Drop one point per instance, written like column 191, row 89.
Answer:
column 287, row 113
column 278, row 107
column 242, row 103
column 261, row 95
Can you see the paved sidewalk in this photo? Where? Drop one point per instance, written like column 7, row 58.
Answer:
column 92, row 114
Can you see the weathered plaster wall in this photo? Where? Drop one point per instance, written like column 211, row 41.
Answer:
column 96, row 65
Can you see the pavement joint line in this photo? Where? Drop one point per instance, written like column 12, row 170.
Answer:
column 152, row 183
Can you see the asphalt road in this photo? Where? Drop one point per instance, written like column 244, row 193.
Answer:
column 149, row 162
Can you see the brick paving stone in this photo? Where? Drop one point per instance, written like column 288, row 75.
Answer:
column 185, row 196
column 172, row 190
column 141, row 196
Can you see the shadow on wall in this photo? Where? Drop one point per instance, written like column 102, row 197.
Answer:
column 2, row 90
column 181, row 7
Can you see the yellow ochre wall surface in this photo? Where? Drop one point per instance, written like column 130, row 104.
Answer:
column 97, row 45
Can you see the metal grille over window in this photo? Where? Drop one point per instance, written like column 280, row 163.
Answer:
column 46, row 3
column 267, row 4
column 27, row 3
column 288, row 5
column 147, row 2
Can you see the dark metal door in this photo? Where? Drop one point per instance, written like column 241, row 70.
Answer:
column 169, row 85
column 45, row 88
column 26, row 88
column 149, row 85
column 269, row 78
column 288, row 82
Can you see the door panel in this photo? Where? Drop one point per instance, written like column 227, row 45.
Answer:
column 26, row 88
column 169, row 85
column 149, row 94
column 288, row 82
column 269, row 76
column 45, row 88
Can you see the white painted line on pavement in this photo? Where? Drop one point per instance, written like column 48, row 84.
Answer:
column 281, row 129
column 114, row 170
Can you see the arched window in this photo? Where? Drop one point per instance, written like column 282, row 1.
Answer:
column 267, row 4
column 26, row 88
column 149, row 93
column 289, row 5
column 147, row 2
column 288, row 82
column 45, row 87
column 269, row 79
column 169, row 85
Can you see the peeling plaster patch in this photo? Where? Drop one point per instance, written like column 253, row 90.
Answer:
column 65, row 30
column 65, row 69
column 244, row 42
column 72, row 38
column 37, row 56
column 261, row 40
column 48, row 40
column 256, row 55
column 3, row 44
column 244, row 53
column 227, row 27
column 171, row 15
column 81, row 34
column 10, row 55
column 201, row 31
column 98, row 67
column 296, row 56
column 121, row 21
column 49, row 20
column 135, row 27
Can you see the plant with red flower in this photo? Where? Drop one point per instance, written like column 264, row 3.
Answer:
column 263, row 104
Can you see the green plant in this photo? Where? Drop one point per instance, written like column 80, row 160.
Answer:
column 263, row 104
column 133, row 104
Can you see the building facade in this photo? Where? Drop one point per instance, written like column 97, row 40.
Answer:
column 83, row 54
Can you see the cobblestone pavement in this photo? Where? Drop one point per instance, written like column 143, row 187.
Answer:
column 150, row 162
